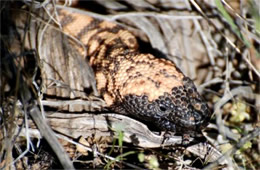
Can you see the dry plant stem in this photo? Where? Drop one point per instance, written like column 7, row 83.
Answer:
column 8, row 144
column 211, row 82
column 132, row 14
column 212, row 23
column 153, row 14
column 96, row 152
column 21, row 88
column 49, row 135
column 28, row 140
column 45, row 26
column 236, row 147
column 110, row 4
column 206, row 42
column 245, row 54
column 92, row 104
column 234, row 12
column 141, row 4
column 188, row 53
column 75, row 125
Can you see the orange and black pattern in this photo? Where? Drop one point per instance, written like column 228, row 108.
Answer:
column 139, row 85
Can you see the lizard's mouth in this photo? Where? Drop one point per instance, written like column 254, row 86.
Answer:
column 193, row 121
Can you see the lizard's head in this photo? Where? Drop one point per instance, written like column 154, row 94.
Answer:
column 182, row 111
column 185, row 108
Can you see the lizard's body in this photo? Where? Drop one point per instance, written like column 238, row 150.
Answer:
column 140, row 85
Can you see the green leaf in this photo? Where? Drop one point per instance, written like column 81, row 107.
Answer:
column 153, row 162
column 230, row 21
column 255, row 14
column 141, row 157
column 119, row 131
column 246, row 146
column 120, row 138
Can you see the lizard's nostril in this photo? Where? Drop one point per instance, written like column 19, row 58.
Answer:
column 197, row 106
column 192, row 119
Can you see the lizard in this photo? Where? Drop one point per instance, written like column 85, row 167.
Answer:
column 136, row 84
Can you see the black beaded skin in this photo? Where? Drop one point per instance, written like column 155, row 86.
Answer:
column 182, row 111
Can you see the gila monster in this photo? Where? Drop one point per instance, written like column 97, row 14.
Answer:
column 139, row 85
